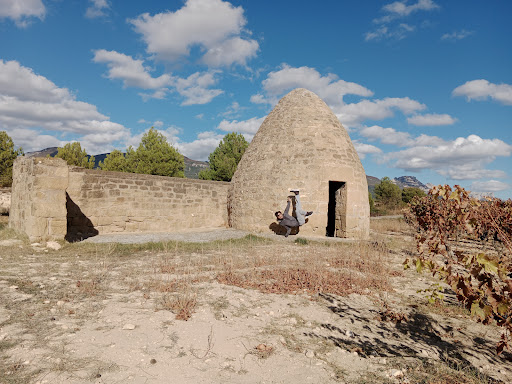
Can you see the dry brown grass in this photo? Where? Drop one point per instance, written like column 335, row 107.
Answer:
column 387, row 225
column 318, row 268
column 182, row 304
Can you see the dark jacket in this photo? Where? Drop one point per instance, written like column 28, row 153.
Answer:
column 288, row 220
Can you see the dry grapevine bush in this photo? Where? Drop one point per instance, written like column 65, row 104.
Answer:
column 482, row 279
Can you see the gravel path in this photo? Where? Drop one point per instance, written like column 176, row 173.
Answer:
column 196, row 236
column 202, row 235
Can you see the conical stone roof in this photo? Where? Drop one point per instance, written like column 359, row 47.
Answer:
column 301, row 144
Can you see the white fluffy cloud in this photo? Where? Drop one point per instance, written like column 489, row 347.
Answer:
column 30, row 103
column 98, row 8
column 389, row 28
column 401, row 8
column 469, row 172
column 235, row 50
column 488, row 186
column 329, row 88
column 469, row 154
column 456, row 35
column 391, row 136
column 399, row 32
column 365, row 149
column 431, row 119
column 356, row 113
column 247, row 127
column 214, row 26
column 482, row 89
column 21, row 11
column 195, row 88
column 200, row 148
column 132, row 72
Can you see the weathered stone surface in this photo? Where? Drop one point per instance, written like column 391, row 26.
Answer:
column 301, row 144
column 38, row 200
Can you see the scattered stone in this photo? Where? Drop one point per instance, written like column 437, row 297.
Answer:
column 396, row 373
column 282, row 340
column 60, row 303
column 349, row 333
column 292, row 321
column 152, row 361
column 53, row 278
column 309, row 353
column 129, row 327
column 13, row 287
column 53, row 245
column 383, row 361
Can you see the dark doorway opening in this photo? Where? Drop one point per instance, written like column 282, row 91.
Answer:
column 337, row 210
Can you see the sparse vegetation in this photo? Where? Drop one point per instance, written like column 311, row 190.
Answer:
column 7, row 156
column 446, row 220
column 329, row 294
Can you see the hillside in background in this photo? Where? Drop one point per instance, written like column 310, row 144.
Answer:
column 410, row 182
column 193, row 167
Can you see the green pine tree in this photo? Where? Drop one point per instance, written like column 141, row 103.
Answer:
column 387, row 193
column 155, row 156
column 7, row 156
column 225, row 158
column 115, row 161
column 75, row 155
column 408, row 193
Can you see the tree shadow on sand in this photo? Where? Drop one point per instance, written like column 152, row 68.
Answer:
column 420, row 337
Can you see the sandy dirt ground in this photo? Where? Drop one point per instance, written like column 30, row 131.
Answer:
column 92, row 315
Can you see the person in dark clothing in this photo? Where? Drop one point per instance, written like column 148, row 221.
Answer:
column 287, row 220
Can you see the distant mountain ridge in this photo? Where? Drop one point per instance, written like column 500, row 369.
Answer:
column 193, row 167
column 410, row 182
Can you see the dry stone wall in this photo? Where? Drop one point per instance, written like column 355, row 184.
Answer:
column 38, row 200
column 51, row 201
column 301, row 144
column 109, row 202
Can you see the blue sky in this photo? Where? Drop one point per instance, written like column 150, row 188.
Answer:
column 423, row 87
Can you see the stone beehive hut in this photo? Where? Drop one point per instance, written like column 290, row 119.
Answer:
column 301, row 144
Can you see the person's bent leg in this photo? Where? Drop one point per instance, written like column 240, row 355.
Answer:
column 301, row 214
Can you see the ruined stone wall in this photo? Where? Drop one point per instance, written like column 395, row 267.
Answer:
column 51, row 201
column 38, row 200
column 109, row 202
column 5, row 200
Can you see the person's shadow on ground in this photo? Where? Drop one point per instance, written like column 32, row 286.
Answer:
column 280, row 230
